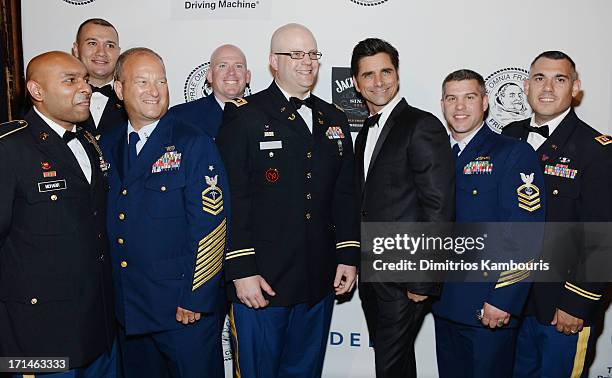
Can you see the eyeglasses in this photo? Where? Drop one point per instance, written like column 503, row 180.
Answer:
column 313, row 55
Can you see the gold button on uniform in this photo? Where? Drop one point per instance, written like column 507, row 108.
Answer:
column 53, row 197
column 163, row 188
column 308, row 216
column 121, row 216
column 309, row 155
column 34, row 301
column 120, row 241
column 124, row 192
column 555, row 192
column 474, row 192
column 308, row 196
column 124, row 264
column 309, row 175
column 271, row 154
column 486, row 274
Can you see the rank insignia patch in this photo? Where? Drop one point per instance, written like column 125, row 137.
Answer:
column 478, row 167
column 334, row 132
column 45, row 165
column 49, row 174
column 212, row 197
column 528, row 194
column 272, row 175
column 561, row 170
column 169, row 161
column 238, row 102
column 604, row 139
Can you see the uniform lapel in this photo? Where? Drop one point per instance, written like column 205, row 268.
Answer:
column 283, row 111
column 554, row 144
column 152, row 150
column 473, row 147
column 360, row 143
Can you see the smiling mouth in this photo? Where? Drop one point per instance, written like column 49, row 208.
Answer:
column 546, row 99
column 460, row 116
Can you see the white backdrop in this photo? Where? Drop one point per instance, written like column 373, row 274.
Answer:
column 433, row 37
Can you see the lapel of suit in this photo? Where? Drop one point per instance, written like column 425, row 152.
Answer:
column 386, row 129
column 552, row 147
column 92, row 154
column 117, row 139
column 111, row 114
column 283, row 111
column 360, row 143
column 152, row 150
column 50, row 143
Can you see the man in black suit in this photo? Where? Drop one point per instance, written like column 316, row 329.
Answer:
column 55, row 286
column 405, row 173
column 294, row 224
column 97, row 46
column 577, row 163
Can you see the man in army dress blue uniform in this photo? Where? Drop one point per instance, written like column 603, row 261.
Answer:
column 295, row 227
column 167, row 229
column 497, row 180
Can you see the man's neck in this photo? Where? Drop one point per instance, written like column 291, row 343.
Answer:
column 100, row 82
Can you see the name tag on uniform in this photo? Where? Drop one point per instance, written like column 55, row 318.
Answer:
column 51, row 186
column 271, row 145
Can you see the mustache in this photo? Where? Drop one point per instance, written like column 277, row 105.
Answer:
column 81, row 97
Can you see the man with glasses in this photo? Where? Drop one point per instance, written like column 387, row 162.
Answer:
column 294, row 230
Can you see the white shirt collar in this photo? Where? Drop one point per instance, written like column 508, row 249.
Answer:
column 54, row 125
column 386, row 111
column 144, row 131
column 553, row 123
column 221, row 103
column 465, row 141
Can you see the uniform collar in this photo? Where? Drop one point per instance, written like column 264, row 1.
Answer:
column 54, row 125
column 553, row 123
column 465, row 141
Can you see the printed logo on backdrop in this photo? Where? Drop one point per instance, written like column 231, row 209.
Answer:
column 78, row 2
column 196, row 86
column 369, row 3
column 507, row 100
column 219, row 9
column 346, row 97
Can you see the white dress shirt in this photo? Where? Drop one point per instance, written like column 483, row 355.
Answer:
column 143, row 134
column 75, row 145
column 97, row 103
column 375, row 130
column 536, row 140
column 465, row 141
column 304, row 111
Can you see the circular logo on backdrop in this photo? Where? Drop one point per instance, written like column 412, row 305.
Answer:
column 78, row 2
column 196, row 86
column 369, row 3
column 507, row 100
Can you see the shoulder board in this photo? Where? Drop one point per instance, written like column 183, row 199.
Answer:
column 339, row 108
column 238, row 101
column 604, row 139
column 11, row 127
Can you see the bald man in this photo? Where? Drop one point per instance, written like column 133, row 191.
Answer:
column 228, row 76
column 55, row 289
column 294, row 241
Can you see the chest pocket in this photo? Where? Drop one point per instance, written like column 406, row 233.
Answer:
column 562, row 188
column 52, row 212
column 164, row 194
column 477, row 186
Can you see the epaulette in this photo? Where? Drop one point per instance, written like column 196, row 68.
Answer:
column 604, row 139
column 11, row 127
column 339, row 108
column 238, row 101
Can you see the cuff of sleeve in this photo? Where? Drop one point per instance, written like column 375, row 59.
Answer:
column 240, row 263
column 348, row 252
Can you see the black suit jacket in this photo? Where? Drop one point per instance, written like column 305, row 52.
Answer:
column 584, row 198
column 114, row 115
column 411, row 177
column 55, row 285
column 293, row 200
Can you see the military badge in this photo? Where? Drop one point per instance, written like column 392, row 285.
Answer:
column 544, row 157
column 238, row 102
column 43, row 135
column 340, row 148
column 334, row 132
column 604, row 139
column 272, row 175
column 212, row 197
column 169, row 161
column 104, row 165
column 49, row 174
column 528, row 194
column 45, row 165
column 564, row 160
column 561, row 170
column 291, row 117
column 268, row 134
column 478, row 167
column 52, row 186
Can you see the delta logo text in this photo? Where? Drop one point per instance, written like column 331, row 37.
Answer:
column 196, row 85
column 221, row 4
column 369, row 3
column 78, row 2
column 507, row 100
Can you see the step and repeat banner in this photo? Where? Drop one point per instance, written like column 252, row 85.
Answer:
column 497, row 39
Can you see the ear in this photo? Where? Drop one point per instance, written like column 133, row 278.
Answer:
column 248, row 77
column 356, row 85
column 209, row 74
column 35, row 90
column 118, row 89
column 273, row 59
column 485, row 103
column 526, row 86
column 576, row 87
column 75, row 50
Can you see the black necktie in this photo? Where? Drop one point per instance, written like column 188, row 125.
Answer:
column 297, row 102
column 68, row 136
column 134, row 138
column 106, row 90
column 371, row 121
column 456, row 150
column 542, row 130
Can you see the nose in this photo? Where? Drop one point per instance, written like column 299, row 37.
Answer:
column 547, row 86
column 84, row 87
column 378, row 80
column 152, row 89
column 460, row 104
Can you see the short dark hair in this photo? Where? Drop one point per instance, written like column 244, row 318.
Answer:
column 133, row 51
column 369, row 47
column 95, row 21
column 465, row 74
column 557, row 55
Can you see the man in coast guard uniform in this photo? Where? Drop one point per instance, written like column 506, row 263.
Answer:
column 577, row 163
column 97, row 46
column 167, row 229
column 497, row 180
column 295, row 228
column 228, row 76
column 55, row 275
